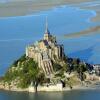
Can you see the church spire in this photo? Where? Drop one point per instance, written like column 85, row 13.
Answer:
column 47, row 31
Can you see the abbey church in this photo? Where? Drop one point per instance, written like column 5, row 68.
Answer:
column 45, row 51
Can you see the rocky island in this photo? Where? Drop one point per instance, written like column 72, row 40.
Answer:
column 45, row 67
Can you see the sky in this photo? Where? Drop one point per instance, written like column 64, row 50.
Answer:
column 5, row 1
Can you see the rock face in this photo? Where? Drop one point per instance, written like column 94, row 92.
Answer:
column 57, row 87
column 45, row 51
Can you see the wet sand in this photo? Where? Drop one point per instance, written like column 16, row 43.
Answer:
column 90, row 31
column 97, row 9
column 29, row 7
column 94, row 5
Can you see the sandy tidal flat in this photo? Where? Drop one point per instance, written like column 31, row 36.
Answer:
column 29, row 6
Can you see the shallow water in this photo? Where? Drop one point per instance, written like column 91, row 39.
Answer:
column 17, row 32
column 70, row 95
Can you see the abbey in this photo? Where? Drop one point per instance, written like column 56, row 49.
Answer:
column 45, row 51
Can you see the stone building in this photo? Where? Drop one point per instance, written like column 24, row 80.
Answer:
column 45, row 51
column 96, row 68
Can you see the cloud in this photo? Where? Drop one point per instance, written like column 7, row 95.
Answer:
column 6, row 1
column 3, row 1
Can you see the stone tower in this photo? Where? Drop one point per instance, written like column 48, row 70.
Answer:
column 47, row 32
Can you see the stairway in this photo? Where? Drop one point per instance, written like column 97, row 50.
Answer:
column 47, row 64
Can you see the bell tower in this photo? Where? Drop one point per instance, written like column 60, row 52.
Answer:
column 47, row 32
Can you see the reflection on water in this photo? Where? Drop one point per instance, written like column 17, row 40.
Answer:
column 70, row 95
column 17, row 32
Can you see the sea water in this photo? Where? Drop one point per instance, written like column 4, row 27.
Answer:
column 18, row 32
column 68, row 95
